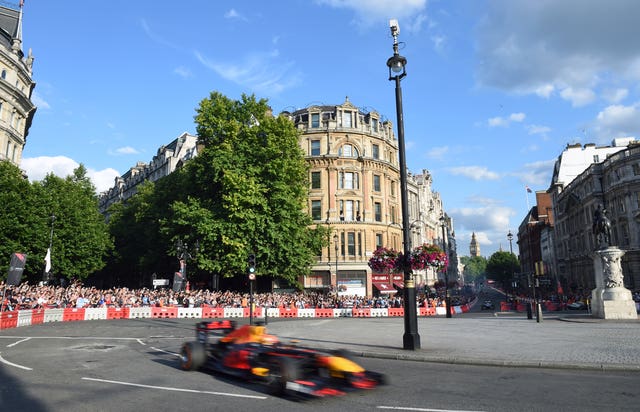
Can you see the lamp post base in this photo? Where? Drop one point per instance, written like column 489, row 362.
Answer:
column 410, row 339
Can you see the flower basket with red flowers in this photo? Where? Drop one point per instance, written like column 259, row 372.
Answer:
column 384, row 260
column 428, row 255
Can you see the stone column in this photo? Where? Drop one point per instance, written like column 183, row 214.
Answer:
column 610, row 299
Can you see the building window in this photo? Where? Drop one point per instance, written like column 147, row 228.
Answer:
column 374, row 125
column 315, row 148
column 316, row 209
column 4, row 74
column 377, row 211
column 346, row 118
column 351, row 243
column 375, row 151
column 393, row 188
column 315, row 120
column 378, row 240
column 376, row 183
column 636, row 168
column 316, row 182
column 596, row 159
column 348, row 180
column 348, row 150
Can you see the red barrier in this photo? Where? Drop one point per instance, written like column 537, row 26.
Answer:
column 288, row 313
column 324, row 313
column 211, row 313
column 117, row 313
column 396, row 311
column 37, row 316
column 9, row 320
column 73, row 314
column 505, row 306
column 521, row 307
column 164, row 313
column 361, row 313
column 430, row 311
column 257, row 312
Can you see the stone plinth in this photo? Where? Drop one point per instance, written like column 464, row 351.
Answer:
column 610, row 299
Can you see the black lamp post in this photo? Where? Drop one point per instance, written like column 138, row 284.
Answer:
column 184, row 254
column 47, row 268
column 397, row 70
column 335, row 242
column 447, row 299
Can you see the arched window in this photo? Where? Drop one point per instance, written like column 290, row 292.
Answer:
column 4, row 74
column 348, row 150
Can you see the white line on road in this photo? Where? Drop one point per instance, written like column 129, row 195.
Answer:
column 166, row 351
column 15, row 343
column 165, row 388
column 2, row 360
column 406, row 408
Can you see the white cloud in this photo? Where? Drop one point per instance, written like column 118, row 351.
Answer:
column 482, row 219
column 506, row 121
column 39, row 102
column 125, row 150
column 617, row 121
column 183, row 72
column 408, row 12
column 474, row 172
column 615, row 95
column 37, row 168
column 233, row 14
column 538, row 129
column 578, row 48
column 438, row 152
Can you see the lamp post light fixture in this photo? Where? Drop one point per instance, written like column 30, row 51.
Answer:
column 397, row 70
column 447, row 299
column 184, row 254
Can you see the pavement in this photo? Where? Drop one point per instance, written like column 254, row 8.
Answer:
column 561, row 340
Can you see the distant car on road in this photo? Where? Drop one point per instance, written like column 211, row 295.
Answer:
column 579, row 305
column 487, row 304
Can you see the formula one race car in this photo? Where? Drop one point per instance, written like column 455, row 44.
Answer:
column 250, row 353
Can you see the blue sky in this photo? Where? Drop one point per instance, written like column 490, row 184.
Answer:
column 495, row 89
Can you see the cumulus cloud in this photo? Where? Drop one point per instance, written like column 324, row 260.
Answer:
column 234, row 15
column 39, row 101
column 474, row 172
column 506, row 121
column 617, row 121
column 125, row 150
column 183, row 72
column 573, row 48
column 410, row 13
column 37, row 168
column 482, row 219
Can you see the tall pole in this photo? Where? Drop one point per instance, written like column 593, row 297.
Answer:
column 447, row 299
column 335, row 241
column 397, row 70
column 45, row 275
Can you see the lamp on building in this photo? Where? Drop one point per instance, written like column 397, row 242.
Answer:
column 447, row 299
column 397, row 70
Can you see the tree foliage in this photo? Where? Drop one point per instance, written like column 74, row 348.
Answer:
column 79, row 240
column 501, row 266
column 474, row 267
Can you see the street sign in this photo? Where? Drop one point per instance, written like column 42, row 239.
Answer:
column 160, row 282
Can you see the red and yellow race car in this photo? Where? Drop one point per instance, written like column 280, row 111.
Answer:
column 250, row 353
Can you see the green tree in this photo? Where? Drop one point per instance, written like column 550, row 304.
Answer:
column 501, row 266
column 474, row 267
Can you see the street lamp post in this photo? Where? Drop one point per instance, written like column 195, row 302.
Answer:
column 397, row 70
column 447, row 299
column 184, row 254
column 47, row 268
column 335, row 242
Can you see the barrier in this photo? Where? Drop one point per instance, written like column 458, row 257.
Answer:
column 396, row 311
column 273, row 312
column 288, row 313
column 140, row 313
column 53, row 315
column 24, row 317
column 233, row 312
column 9, row 319
column 307, row 313
column 361, row 313
column 189, row 313
column 257, row 312
column 430, row 311
column 379, row 312
column 343, row 313
column 117, row 313
column 505, row 306
column 73, row 314
column 211, row 313
column 37, row 316
column 95, row 313
column 324, row 313
column 164, row 313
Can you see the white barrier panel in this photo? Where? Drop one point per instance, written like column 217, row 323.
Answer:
column 379, row 312
column 233, row 312
column 457, row 309
column 140, row 313
column 306, row 313
column 24, row 317
column 189, row 313
column 53, row 315
column 273, row 312
column 441, row 310
column 342, row 313
column 95, row 313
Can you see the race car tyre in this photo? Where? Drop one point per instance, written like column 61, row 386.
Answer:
column 281, row 371
column 192, row 356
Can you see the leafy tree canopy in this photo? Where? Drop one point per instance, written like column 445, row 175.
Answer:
column 501, row 266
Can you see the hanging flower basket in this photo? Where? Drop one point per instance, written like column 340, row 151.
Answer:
column 386, row 260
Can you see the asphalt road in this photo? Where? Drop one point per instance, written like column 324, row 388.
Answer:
column 132, row 365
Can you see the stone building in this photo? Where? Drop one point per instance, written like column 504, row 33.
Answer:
column 16, row 87
column 166, row 160
column 355, row 190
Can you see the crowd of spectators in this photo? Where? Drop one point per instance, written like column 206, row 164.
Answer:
column 77, row 295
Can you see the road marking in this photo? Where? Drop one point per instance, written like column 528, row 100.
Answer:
column 2, row 360
column 15, row 343
column 166, row 351
column 165, row 388
column 141, row 342
column 406, row 408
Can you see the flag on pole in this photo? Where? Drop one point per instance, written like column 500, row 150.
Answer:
column 47, row 261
